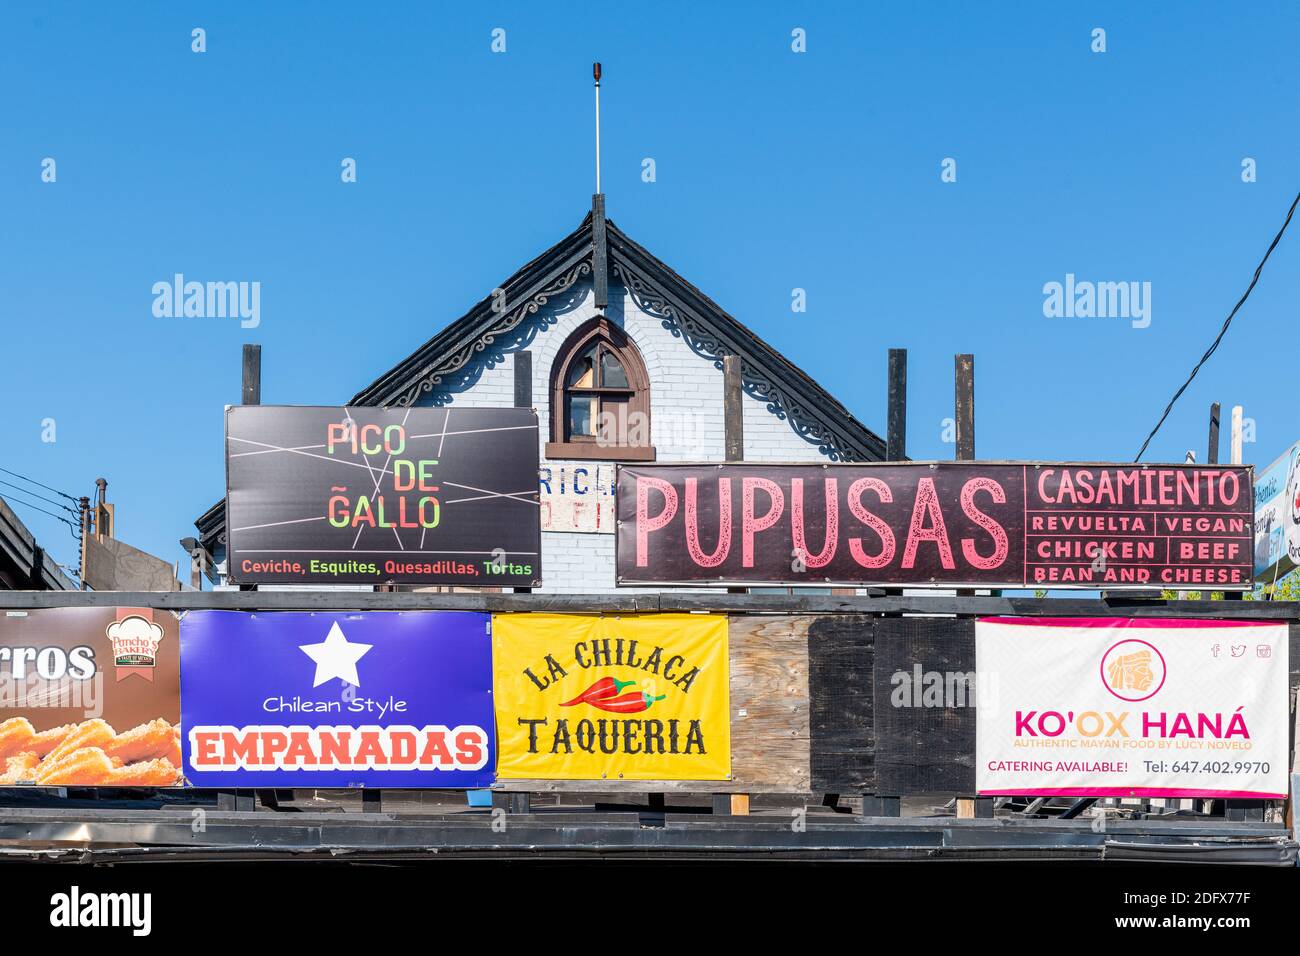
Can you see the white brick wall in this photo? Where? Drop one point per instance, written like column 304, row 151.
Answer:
column 686, row 421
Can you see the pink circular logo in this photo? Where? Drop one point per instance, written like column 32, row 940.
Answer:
column 1133, row 670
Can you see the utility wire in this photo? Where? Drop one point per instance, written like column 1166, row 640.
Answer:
column 28, row 491
column 1226, row 322
column 63, row 494
column 57, row 517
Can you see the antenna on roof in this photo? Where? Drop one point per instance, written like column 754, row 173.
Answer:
column 595, row 72
column 599, row 248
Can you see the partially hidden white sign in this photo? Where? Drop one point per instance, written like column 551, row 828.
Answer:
column 1117, row 707
column 578, row 496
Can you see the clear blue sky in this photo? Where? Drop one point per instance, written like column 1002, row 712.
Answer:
column 775, row 170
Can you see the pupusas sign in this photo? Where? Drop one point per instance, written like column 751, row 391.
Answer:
column 944, row 523
column 1132, row 708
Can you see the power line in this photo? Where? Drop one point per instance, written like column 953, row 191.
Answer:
column 39, row 484
column 28, row 491
column 57, row 517
column 1226, row 322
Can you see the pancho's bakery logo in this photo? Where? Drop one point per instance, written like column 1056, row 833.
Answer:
column 135, row 639
column 1133, row 670
column 640, row 697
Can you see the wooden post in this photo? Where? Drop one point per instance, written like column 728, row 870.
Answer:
column 733, row 419
column 968, row 808
column 511, row 801
column 731, row 804
column 733, row 409
column 524, row 379
column 599, row 253
column 1236, row 456
column 251, row 394
column 85, row 533
column 733, row 427
column 876, row 804
column 1212, row 455
column 965, row 406
column 1236, row 434
column 523, row 399
column 252, row 384
column 896, row 445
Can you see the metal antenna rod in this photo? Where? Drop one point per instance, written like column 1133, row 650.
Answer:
column 595, row 71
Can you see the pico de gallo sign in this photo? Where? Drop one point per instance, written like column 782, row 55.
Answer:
column 377, row 495
column 946, row 524
column 582, row 697
column 1131, row 708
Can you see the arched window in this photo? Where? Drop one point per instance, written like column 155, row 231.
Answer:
column 600, row 397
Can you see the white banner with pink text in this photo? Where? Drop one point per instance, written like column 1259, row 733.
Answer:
column 1131, row 707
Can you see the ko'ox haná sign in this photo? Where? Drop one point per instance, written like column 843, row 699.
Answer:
column 944, row 523
column 1118, row 707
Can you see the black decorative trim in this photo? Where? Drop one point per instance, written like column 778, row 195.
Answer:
column 466, row 360
column 707, row 343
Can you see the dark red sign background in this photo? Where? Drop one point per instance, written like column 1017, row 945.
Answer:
column 947, row 524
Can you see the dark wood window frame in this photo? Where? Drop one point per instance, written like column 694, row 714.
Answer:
column 608, row 337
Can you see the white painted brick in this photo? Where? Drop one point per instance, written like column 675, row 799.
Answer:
column 686, row 422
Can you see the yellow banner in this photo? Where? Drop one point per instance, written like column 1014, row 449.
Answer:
column 630, row 697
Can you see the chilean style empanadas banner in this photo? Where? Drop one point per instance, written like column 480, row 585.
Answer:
column 296, row 699
column 90, row 697
column 629, row 697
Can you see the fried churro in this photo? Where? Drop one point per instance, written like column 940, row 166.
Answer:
column 15, row 733
column 139, row 743
column 87, row 767
column 19, row 767
column 95, row 733
column 45, row 741
column 150, row 773
column 90, row 754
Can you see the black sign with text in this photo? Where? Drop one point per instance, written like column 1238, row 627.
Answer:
column 330, row 495
column 946, row 524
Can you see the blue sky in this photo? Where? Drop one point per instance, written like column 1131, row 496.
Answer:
column 775, row 170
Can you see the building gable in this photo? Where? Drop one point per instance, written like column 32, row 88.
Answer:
column 680, row 336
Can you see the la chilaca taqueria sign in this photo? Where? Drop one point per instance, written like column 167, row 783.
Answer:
column 624, row 697
column 1041, row 525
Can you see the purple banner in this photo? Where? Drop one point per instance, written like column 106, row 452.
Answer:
column 381, row 699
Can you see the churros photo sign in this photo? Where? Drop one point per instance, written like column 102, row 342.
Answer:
column 630, row 697
column 90, row 697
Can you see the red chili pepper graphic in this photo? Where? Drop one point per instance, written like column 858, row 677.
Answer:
column 627, row 704
column 603, row 688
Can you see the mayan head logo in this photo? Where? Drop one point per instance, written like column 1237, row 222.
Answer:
column 1133, row 670
column 135, row 639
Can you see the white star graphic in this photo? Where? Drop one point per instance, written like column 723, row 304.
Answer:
column 335, row 657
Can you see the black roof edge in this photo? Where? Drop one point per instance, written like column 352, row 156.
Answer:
column 757, row 356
